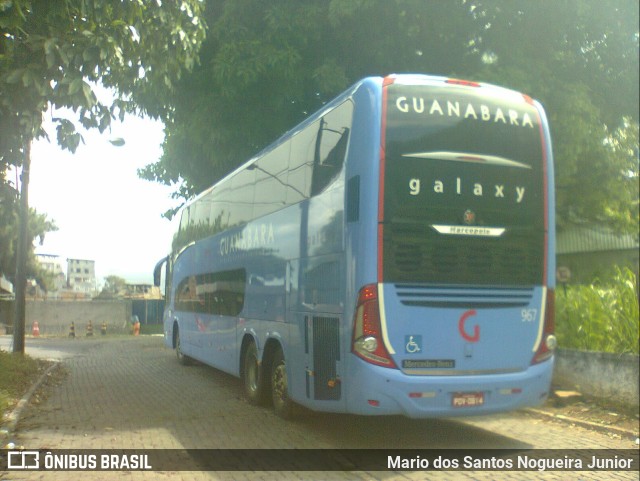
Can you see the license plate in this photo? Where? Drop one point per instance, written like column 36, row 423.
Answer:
column 467, row 399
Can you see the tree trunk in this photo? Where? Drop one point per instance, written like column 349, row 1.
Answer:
column 21, row 257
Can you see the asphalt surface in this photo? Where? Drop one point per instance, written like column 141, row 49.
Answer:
column 130, row 393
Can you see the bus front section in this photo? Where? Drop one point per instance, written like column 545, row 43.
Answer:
column 461, row 318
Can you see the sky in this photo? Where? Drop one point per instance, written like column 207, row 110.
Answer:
column 103, row 210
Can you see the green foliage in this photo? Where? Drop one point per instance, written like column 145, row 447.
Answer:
column 113, row 286
column 266, row 66
column 38, row 226
column 151, row 329
column 602, row 316
column 580, row 58
column 52, row 52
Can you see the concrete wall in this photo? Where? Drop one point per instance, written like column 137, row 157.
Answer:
column 610, row 377
column 54, row 316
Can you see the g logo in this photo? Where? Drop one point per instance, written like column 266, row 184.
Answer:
column 476, row 329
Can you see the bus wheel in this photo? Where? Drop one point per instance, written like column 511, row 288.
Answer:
column 182, row 359
column 282, row 405
column 253, row 387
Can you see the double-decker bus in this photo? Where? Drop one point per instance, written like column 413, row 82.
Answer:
column 392, row 254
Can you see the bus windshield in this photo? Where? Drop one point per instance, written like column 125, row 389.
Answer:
column 463, row 187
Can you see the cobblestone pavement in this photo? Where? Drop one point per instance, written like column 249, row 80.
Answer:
column 130, row 393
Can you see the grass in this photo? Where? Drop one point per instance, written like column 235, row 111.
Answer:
column 17, row 374
column 152, row 329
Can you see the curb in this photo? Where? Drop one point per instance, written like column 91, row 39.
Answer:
column 13, row 417
column 582, row 423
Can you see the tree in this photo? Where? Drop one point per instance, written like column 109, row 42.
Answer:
column 38, row 226
column 580, row 57
column 51, row 51
column 113, row 286
column 262, row 73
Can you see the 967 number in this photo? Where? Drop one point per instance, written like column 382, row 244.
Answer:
column 529, row 315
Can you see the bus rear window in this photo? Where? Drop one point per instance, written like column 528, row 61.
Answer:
column 463, row 187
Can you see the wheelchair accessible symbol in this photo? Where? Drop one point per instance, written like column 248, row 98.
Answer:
column 412, row 344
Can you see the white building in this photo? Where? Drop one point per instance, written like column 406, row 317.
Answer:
column 81, row 275
column 55, row 265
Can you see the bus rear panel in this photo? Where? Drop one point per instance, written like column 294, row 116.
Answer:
column 460, row 318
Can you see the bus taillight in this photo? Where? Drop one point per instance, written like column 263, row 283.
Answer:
column 549, row 341
column 367, row 331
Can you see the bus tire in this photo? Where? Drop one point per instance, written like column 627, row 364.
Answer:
column 182, row 359
column 282, row 404
column 253, row 386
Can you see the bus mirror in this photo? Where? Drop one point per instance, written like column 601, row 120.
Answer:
column 157, row 271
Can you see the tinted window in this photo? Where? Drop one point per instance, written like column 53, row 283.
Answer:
column 217, row 293
column 331, row 146
column 300, row 167
column 240, row 197
column 271, row 181
column 463, row 198
column 303, row 146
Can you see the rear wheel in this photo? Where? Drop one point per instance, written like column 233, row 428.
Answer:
column 253, row 387
column 182, row 359
column 282, row 404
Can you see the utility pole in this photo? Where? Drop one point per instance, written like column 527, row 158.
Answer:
column 21, row 257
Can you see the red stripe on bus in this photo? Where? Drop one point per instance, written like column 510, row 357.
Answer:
column 383, row 130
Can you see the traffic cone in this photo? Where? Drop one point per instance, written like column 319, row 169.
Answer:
column 35, row 329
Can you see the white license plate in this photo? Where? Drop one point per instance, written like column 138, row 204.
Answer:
column 467, row 399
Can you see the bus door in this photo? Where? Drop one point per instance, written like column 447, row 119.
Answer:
column 321, row 295
column 321, row 320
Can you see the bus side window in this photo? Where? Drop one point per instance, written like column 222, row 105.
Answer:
column 181, row 237
column 241, row 198
column 301, row 164
column 186, row 297
column 220, row 293
column 331, row 146
column 271, row 181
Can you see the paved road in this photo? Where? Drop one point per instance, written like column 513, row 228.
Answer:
column 130, row 393
column 48, row 348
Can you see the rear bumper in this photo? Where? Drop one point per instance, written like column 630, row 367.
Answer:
column 381, row 391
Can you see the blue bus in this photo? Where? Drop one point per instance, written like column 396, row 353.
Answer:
column 392, row 254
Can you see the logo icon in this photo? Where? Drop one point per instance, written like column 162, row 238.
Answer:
column 475, row 337
column 412, row 344
column 23, row 460
column 469, row 217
